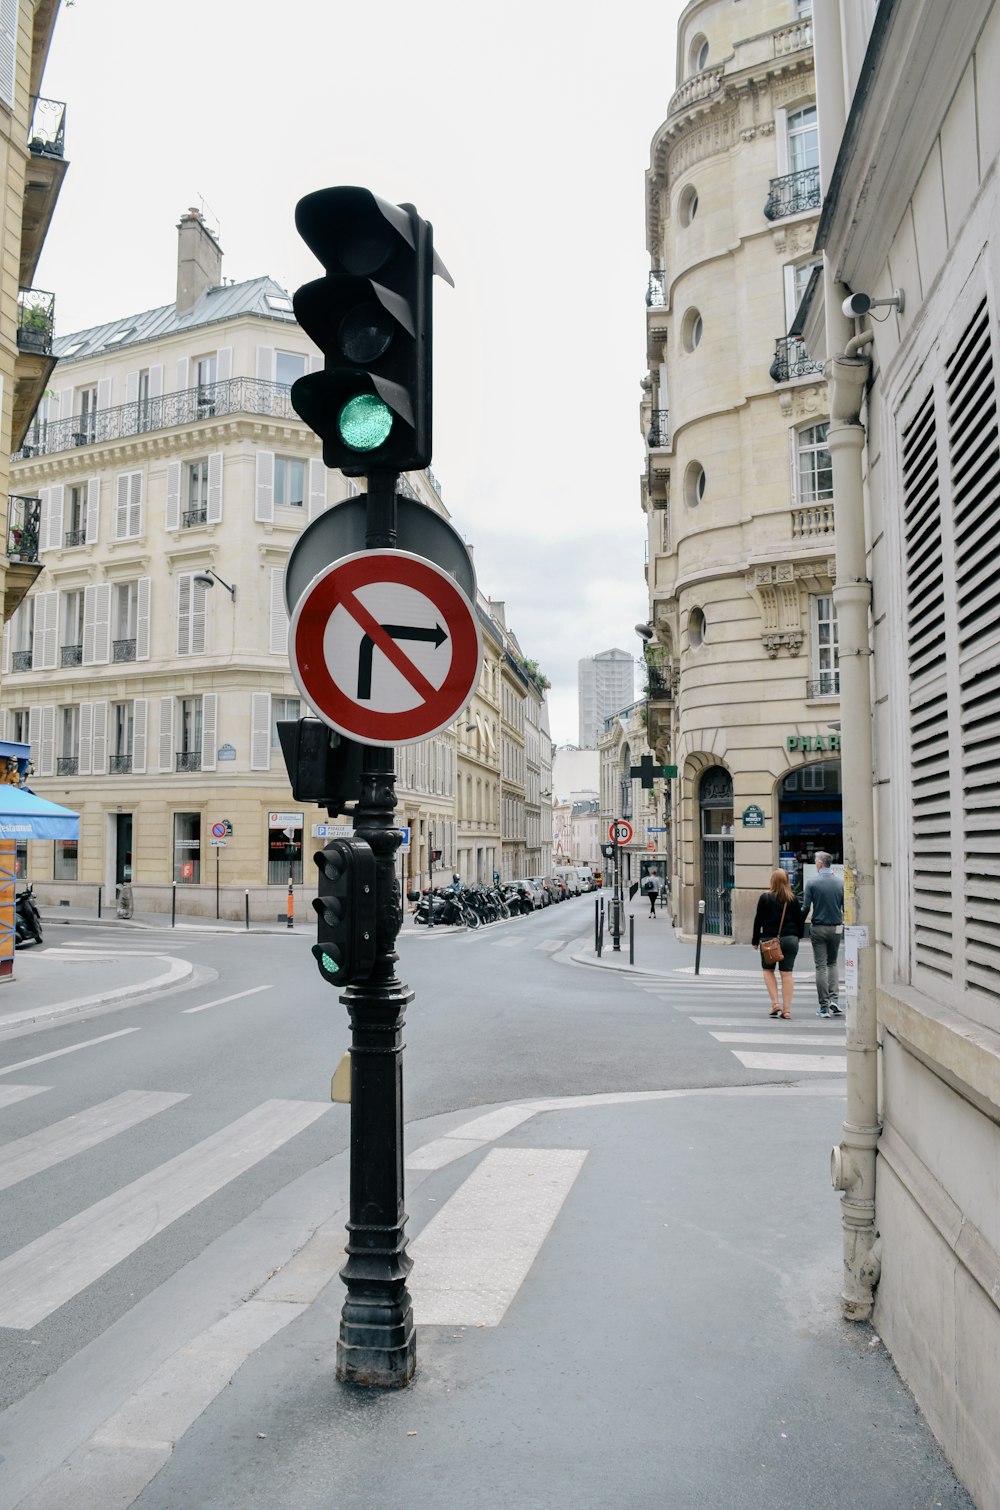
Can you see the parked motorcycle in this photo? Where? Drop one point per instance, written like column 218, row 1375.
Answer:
column 27, row 918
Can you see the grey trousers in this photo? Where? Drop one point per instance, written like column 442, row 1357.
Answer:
column 826, row 947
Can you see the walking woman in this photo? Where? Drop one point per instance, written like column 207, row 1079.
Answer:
column 779, row 916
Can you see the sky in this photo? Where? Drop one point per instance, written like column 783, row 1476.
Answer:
column 520, row 131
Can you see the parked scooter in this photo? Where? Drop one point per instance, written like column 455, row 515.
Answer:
column 27, row 918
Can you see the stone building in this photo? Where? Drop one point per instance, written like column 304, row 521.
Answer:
column 605, row 682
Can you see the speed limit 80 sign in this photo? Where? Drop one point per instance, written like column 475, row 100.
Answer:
column 620, row 832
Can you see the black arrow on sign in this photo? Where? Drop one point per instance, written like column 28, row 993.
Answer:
column 435, row 636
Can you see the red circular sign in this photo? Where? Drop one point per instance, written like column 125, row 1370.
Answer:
column 385, row 647
column 620, row 831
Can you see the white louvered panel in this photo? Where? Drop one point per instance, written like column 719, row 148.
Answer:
column 142, row 621
column 260, row 731
column 975, row 481
column 214, row 510
column 172, row 518
column 277, row 641
column 209, row 730
column 264, row 495
column 166, row 734
column 181, row 375
column 317, row 486
column 100, row 747
column 224, row 364
column 156, row 380
column 199, row 594
column 35, row 732
column 140, row 724
column 184, row 614
column 86, row 738
column 102, row 624
column 46, row 645
column 135, row 505
column 265, row 364
column 121, row 506
column 131, row 387
column 93, row 520
column 3, row 723
column 89, row 619
column 47, row 763
column 104, row 393
column 8, row 642
column 8, row 51
column 923, row 558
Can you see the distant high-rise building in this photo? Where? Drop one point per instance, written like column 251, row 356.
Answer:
column 605, row 683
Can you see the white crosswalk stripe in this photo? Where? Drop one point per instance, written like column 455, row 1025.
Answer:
column 30, row 1155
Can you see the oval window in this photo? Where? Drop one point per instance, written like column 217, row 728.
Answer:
column 696, row 627
column 688, row 205
column 694, row 484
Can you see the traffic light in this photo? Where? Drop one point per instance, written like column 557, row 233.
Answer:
column 346, row 910
column 435, row 854
column 322, row 765
column 371, row 317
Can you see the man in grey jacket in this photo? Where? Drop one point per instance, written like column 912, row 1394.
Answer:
column 823, row 904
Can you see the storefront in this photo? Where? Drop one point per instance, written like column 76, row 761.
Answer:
column 810, row 816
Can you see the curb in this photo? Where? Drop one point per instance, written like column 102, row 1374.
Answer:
column 181, row 969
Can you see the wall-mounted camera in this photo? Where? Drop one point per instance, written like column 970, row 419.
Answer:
column 855, row 306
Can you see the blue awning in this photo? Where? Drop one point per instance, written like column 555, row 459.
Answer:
column 23, row 815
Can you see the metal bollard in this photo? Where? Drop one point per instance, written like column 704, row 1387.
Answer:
column 600, row 935
column 99, row 890
column 597, row 926
column 291, row 903
column 246, row 901
column 173, row 904
column 631, row 938
column 701, row 924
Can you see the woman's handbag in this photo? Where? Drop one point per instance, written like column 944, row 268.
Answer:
column 770, row 949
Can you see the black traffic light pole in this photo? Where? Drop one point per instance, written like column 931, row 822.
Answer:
column 377, row 1343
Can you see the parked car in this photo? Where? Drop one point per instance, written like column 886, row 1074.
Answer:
column 543, row 891
column 531, row 895
column 558, row 888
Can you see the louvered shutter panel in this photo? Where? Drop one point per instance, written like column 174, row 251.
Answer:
column 173, row 513
column 277, row 643
column 3, row 723
column 66, row 405
column 104, row 393
column 215, row 488
column 131, row 387
column 135, row 506
column 89, row 623
column 86, row 739
column 264, row 504
column 793, row 467
column 184, row 614
column 166, row 730
column 47, row 764
column 181, row 378
column 265, row 364
column 140, row 722
column 260, row 731
column 46, row 646
column 54, row 517
column 317, row 361
column 121, row 506
column 8, row 643
column 102, row 623
column 317, row 486
column 8, row 50
column 209, row 730
column 142, row 624
column 224, row 364
column 156, row 381
column 99, row 761
column 199, row 594
column 35, row 732
column 93, row 521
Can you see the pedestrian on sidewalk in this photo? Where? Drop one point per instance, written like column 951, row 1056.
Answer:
column 824, row 899
column 651, row 889
column 779, row 916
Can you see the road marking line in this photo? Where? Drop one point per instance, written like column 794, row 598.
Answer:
column 830, row 1064
column 51, row 1145
column 88, row 1043
column 11, row 1093
column 815, row 1039
column 41, row 1277
column 221, row 1000
column 475, row 1253
column 550, row 945
column 504, row 943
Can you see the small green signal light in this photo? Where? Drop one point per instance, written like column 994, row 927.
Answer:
column 329, row 965
column 364, row 422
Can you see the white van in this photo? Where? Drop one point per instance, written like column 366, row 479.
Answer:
column 577, row 877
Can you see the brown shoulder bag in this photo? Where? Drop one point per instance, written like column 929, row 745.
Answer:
column 770, row 949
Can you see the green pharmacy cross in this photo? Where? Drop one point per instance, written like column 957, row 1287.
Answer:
column 648, row 772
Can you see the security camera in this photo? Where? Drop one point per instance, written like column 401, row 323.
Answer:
column 644, row 631
column 857, row 305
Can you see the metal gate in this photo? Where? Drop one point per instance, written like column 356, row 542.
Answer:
column 715, row 800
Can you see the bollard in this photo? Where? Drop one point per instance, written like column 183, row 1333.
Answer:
column 291, row 903
column 173, row 904
column 701, row 924
column 597, row 926
column 99, row 890
column 631, row 938
column 246, row 901
column 600, row 935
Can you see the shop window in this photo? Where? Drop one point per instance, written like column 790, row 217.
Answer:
column 284, row 855
column 64, row 859
column 187, row 848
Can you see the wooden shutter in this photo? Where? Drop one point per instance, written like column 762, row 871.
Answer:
column 181, row 375
column 173, row 512
column 8, row 51
column 97, row 624
column 104, row 393
column 142, row 624
column 86, row 738
column 277, row 642
column 8, row 642
column 121, row 506
column 166, row 733
column 184, row 614
column 264, row 504
column 265, row 364
column 131, row 387
column 135, row 506
column 215, row 488
column 316, row 486
column 199, row 594
column 46, row 640
column 224, row 364
column 47, row 762
column 92, row 524
column 260, row 731
column 100, row 746
column 140, row 723
column 52, row 514
column 209, row 729
column 156, row 381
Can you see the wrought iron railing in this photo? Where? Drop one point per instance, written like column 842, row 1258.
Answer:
column 20, row 660
column 791, row 360
column 658, row 685
column 656, row 289
column 659, row 429
column 76, row 537
column 188, row 760
column 119, row 765
column 792, row 193
column 23, row 521
column 827, row 685
column 47, row 136
column 193, row 516
column 231, row 396
column 123, row 650
column 71, row 655
column 36, row 318
column 67, row 765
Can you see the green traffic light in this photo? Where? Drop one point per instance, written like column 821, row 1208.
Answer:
column 364, row 422
column 329, row 965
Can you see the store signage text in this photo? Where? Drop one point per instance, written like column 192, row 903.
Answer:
column 808, row 742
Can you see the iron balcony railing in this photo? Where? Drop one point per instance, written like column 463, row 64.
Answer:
column 76, row 537
column 47, row 136
column 194, row 516
column 791, row 360
column 827, row 685
column 120, row 765
column 658, row 685
column 123, row 650
column 71, row 655
column 36, row 318
column 23, row 520
column 792, row 193
column 67, row 765
column 208, row 401
column 656, row 289
column 189, row 760
column 20, row 660
column 658, row 435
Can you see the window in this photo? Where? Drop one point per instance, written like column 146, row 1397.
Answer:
column 691, row 330
column 205, row 371
column 120, row 758
column 694, row 484
column 76, row 516
column 68, row 761
column 18, row 719
column 825, row 647
column 187, row 848
column 815, row 470
column 283, row 709
column 189, row 735
column 71, row 650
column 289, row 365
column 64, row 859
column 688, row 204
column 197, row 494
column 698, row 53
column 803, row 140
column 85, row 406
column 22, row 628
column 284, row 857
column 289, row 481
column 696, row 627
column 803, row 10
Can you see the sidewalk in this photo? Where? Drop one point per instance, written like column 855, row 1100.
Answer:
column 658, row 948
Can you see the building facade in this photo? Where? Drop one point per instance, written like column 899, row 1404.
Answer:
column 605, row 682
column 743, row 649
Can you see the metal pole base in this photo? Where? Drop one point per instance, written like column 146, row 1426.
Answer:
column 377, row 1346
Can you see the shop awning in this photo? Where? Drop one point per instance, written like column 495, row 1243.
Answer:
column 23, row 815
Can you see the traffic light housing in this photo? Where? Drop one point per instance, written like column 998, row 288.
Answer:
column 371, row 317
column 345, row 906
column 322, row 765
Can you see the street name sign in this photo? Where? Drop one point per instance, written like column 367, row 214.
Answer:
column 385, row 647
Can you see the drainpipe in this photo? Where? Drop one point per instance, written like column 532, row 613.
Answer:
column 853, row 1162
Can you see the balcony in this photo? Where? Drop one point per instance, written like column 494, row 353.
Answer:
column 814, row 520
column 71, row 655
column 119, row 765
column 123, row 650
column 190, row 406
column 793, row 193
column 75, row 537
column 67, row 765
column 23, row 565
column 656, row 289
column 20, row 660
column 188, row 760
column 658, row 435
column 45, row 172
column 827, row 685
column 791, row 360
column 193, row 517
column 36, row 313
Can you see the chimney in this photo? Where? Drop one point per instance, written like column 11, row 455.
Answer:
column 199, row 260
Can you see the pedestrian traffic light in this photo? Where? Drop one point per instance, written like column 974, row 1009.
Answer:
column 322, row 765
column 345, row 950
column 435, row 854
column 371, row 317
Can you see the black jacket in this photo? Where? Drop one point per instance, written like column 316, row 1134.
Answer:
column 765, row 924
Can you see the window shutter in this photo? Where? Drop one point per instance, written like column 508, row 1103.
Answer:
column 209, row 730
column 89, row 613
column 184, row 614
column 264, row 507
column 104, row 393
column 317, row 486
column 132, row 390
column 66, row 405
column 265, row 364
column 100, row 746
column 56, row 503
column 182, row 379
column 35, row 731
column 793, row 466
column 47, row 763
column 224, row 364
column 781, row 139
column 8, row 50
column 260, row 731
column 215, row 488
column 86, row 738
column 277, row 643
column 156, row 381
column 166, row 733
column 93, row 521
column 142, row 596
column 121, row 506
column 8, row 644
column 173, row 513
column 102, row 623
column 46, row 646
column 199, row 594
column 140, row 721
column 135, row 506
